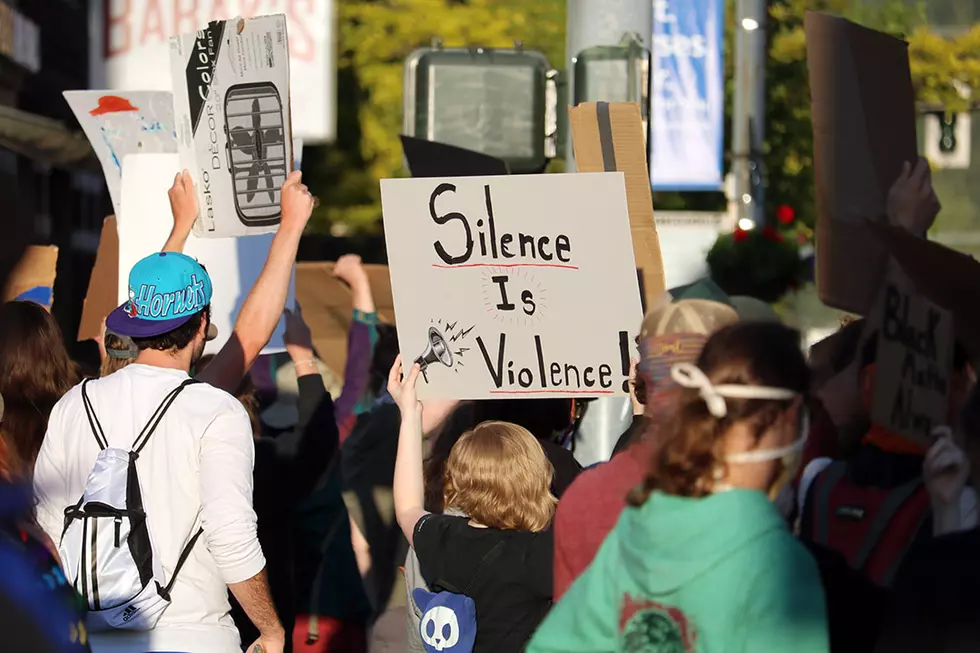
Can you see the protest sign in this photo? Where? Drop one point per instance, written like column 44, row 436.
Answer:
column 118, row 124
column 103, row 284
column 513, row 286
column 233, row 123
column 609, row 137
column 136, row 49
column 233, row 264
column 947, row 277
column 913, row 363
column 863, row 110
column 32, row 278
column 328, row 305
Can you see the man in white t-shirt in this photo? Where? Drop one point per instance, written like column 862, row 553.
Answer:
column 195, row 472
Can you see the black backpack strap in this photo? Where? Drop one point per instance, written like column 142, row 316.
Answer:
column 484, row 566
column 157, row 416
column 93, row 421
column 165, row 592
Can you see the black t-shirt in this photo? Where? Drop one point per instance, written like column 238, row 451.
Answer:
column 513, row 595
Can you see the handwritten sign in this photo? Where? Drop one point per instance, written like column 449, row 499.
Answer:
column 914, row 362
column 120, row 123
column 513, row 286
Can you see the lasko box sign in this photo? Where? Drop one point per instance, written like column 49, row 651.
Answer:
column 511, row 286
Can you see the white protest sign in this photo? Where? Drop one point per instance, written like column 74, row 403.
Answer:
column 135, row 38
column 913, row 364
column 234, row 264
column 231, row 105
column 513, row 286
column 118, row 124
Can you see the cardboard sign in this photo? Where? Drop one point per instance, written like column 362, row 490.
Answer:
column 103, row 285
column 863, row 109
column 32, row 279
column 914, row 363
column 947, row 277
column 610, row 137
column 231, row 100
column 327, row 306
column 234, row 264
column 516, row 286
column 118, row 124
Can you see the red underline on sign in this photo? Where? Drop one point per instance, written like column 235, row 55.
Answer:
column 586, row 393
column 506, row 265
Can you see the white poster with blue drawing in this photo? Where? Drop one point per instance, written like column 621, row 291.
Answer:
column 687, row 102
column 120, row 123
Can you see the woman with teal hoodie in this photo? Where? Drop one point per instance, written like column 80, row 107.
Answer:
column 702, row 561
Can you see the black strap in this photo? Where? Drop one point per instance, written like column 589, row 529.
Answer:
column 93, row 421
column 181, row 560
column 484, row 565
column 157, row 416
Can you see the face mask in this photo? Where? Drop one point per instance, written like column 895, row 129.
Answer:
column 690, row 376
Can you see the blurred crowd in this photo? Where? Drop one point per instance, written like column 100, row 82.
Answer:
column 169, row 503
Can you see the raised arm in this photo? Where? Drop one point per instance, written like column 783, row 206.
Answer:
column 408, row 486
column 264, row 305
column 183, row 206
column 360, row 339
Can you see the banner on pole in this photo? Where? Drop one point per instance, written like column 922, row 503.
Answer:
column 687, row 102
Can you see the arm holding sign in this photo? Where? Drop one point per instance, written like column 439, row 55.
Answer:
column 183, row 205
column 265, row 302
column 408, row 486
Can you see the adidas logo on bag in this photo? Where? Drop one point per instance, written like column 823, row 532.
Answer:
column 129, row 613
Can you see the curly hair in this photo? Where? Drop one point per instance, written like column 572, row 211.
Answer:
column 499, row 475
column 749, row 353
column 35, row 372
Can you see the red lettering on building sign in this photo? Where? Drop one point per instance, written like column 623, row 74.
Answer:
column 157, row 20
column 117, row 38
column 185, row 16
column 153, row 24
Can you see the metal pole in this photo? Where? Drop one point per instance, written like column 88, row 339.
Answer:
column 748, row 114
column 589, row 23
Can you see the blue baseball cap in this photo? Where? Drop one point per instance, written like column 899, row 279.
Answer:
column 165, row 290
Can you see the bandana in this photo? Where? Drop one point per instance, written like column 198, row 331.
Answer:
column 658, row 354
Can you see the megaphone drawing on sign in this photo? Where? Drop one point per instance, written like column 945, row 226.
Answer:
column 437, row 351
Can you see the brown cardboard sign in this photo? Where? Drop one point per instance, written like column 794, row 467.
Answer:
column 914, row 363
column 863, row 113
column 103, row 284
column 327, row 307
column 945, row 276
column 32, row 279
column 609, row 137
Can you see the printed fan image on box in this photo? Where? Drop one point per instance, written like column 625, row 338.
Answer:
column 256, row 150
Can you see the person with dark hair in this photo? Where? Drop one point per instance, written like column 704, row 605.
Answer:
column 863, row 515
column 35, row 371
column 39, row 611
column 702, row 559
column 192, row 449
column 672, row 332
column 937, row 590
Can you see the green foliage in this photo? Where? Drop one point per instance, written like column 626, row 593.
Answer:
column 761, row 263
column 374, row 39
column 375, row 36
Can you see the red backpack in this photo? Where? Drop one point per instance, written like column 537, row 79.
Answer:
column 872, row 528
